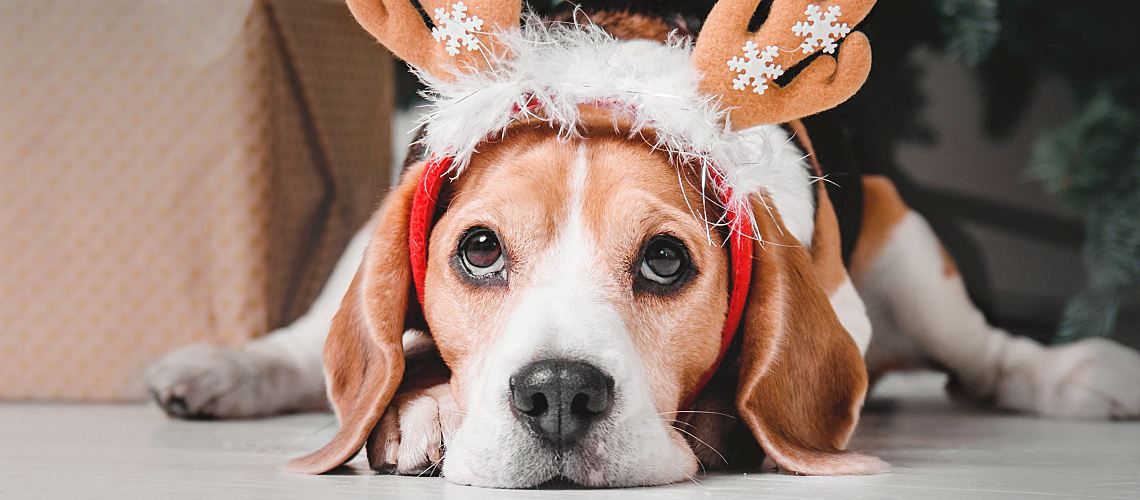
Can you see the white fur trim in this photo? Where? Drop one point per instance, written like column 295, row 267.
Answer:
column 557, row 68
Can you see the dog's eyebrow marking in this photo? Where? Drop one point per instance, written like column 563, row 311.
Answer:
column 655, row 216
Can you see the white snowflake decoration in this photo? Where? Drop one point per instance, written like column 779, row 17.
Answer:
column 755, row 68
column 455, row 29
column 820, row 29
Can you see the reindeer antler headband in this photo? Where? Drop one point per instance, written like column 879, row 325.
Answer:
column 706, row 103
column 484, row 70
column 478, row 35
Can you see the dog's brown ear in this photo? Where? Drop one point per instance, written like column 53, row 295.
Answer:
column 364, row 358
column 802, row 380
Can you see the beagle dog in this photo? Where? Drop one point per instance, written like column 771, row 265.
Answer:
column 609, row 260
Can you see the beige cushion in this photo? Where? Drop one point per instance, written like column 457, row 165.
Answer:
column 174, row 172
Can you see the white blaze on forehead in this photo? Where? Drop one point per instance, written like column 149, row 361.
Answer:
column 571, row 262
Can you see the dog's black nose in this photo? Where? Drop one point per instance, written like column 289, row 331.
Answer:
column 559, row 398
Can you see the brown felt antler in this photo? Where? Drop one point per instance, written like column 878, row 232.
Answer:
column 740, row 66
column 460, row 39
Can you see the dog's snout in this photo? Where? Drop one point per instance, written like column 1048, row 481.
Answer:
column 560, row 399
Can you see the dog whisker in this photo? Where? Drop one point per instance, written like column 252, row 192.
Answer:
column 430, row 470
column 700, row 464
column 699, row 440
column 675, row 422
column 699, row 412
column 690, row 477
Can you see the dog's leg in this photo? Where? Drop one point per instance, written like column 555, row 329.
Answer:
column 920, row 311
column 276, row 373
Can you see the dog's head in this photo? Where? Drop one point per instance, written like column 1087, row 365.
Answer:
column 577, row 291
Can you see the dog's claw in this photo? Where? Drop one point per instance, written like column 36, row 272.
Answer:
column 176, row 407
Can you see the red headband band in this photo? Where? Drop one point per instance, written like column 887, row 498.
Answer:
column 424, row 205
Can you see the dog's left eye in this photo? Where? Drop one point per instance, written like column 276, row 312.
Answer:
column 664, row 262
column 481, row 252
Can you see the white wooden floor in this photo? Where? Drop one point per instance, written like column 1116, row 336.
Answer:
column 937, row 449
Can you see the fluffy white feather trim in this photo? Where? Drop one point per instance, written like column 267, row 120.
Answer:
column 552, row 69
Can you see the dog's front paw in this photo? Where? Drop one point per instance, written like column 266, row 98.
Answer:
column 203, row 381
column 1092, row 378
column 414, row 431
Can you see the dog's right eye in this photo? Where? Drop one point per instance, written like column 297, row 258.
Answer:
column 481, row 252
